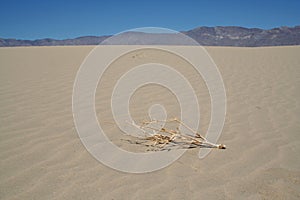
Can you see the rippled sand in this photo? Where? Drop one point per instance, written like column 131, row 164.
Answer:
column 42, row 156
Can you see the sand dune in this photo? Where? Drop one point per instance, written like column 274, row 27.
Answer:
column 42, row 156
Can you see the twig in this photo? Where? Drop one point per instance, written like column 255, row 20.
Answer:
column 162, row 137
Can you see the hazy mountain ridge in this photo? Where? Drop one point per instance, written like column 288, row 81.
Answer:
column 239, row 36
column 208, row 36
column 85, row 40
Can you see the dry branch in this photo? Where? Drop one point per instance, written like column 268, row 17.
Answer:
column 165, row 139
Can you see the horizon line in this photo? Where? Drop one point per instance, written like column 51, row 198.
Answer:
column 182, row 31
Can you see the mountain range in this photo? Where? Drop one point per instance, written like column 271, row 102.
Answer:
column 206, row 36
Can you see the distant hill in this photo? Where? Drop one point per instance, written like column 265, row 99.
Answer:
column 85, row 40
column 207, row 36
column 245, row 37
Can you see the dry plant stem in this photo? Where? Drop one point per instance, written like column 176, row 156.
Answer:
column 163, row 136
column 186, row 126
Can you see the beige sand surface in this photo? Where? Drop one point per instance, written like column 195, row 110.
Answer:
column 42, row 156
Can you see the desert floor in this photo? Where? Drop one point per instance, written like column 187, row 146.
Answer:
column 42, row 156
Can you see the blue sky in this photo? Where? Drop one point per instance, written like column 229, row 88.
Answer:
column 34, row 19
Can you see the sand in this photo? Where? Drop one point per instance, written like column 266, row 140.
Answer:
column 42, row 156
